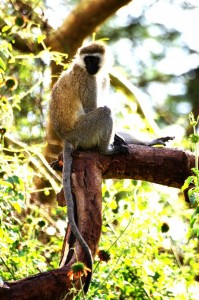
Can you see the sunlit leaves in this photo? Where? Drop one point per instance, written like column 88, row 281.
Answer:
column 5, row 28
column 2, row 64
column 25, row 80
column 143, row 257
column 41, row 38
column 192, row 120
column 6, row 113
column 4, row 183
column 27, row 244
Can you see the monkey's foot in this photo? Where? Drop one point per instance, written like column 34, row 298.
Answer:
column 119, row 140
column 161, row 141
column 120, row 145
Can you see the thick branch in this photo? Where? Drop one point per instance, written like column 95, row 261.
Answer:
column 166, row 166
column 82, row 22
column 159, row 165
column 51, row 285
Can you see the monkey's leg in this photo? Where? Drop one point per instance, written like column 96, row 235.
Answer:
column 94, row 129
column 126, row 138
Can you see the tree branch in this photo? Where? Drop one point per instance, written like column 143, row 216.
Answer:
column 164, row 166
column 160, row 165
column 87, row 16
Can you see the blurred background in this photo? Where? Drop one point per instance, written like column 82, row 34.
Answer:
column 154, row 87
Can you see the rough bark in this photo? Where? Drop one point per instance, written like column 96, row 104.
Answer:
column 164, row 166
column 55, row 285
column 160, row 165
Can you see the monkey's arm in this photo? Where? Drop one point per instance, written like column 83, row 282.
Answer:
column 124, row 138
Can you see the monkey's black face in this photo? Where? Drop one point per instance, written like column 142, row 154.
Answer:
column 92, row 64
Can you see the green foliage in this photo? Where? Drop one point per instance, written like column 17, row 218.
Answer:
column 27, row 246
column 192, row 182
column 25, row 77
column 142, row 255
column 145, row 260
column 31, row 234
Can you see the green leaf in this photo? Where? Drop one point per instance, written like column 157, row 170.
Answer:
column 17, row 207
column 7, row 184
column 9, row 46
column 2, row 64
column 12, row 60
column 187, row 182
column 41, row 38
column 14, row 179
column 194, row 138
column 6, row 28
column 192, row 199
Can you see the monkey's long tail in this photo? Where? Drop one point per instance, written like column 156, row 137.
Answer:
column 67, row 158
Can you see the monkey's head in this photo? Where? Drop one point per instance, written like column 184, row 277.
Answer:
column 92, row 57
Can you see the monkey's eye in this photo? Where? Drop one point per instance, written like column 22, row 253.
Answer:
column 92, row 64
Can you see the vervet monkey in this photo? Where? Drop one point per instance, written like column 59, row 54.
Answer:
column 79, row 121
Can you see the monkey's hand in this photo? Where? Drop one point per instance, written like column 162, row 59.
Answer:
column 161, row 141
column 57, row 165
